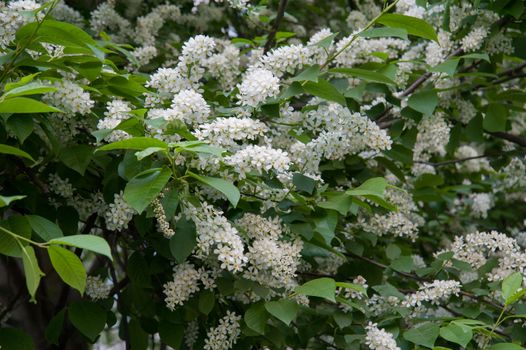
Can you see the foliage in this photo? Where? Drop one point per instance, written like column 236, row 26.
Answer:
column 263, row 175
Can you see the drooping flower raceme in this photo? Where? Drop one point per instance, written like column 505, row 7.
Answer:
column 257, row 85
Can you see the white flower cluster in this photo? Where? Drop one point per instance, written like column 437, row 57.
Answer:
column 215, row 235
column 284, row 59
column 481, row 203
column 259, row 159
column 190, row 107
column 116, row 112
column 119, row 213
column 433, row 292
column 226, row 132
column 472, row 165
column 433, row 135
column 148, row 26
column 191, row 333
column 360, row 51
column 258, row 85
column 477, row 248
column 12, row 18
column 257, row 226
column 70, row 98
column 183, row 286
column 96, row 288
column 225, row 335
column 379, row 339
column 144, row 54
column 160, row 216
column 189, row 69
column 59, row 186
column 106, row 19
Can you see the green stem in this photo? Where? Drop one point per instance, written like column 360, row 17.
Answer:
column 22, row 238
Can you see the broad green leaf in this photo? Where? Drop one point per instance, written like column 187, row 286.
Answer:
column 9, row 245
column 424, row 335
column 325, row 90
column 68, row 266
column 303, row 183
column 226, row 187
column 21, row 125
column 54, row 327
column 44, row 228
column 327, row 41
column 171, row 334
column 403, row 264
column 374, row 187
column 505, row 346
column 15, row 339
column 29, row 89
column 510, row 285
column 414, row 26
column 495, row 118
column 89, row 242
column 206, row 301
column 88, row 317
column 6, row 149
column 25, row 105
column 284, row 310
column 449, row 67
column 31, row 270
column 364, row 74
column 148, row 152
column 477, row 56
column 256, row 318
column 135, row 143
column 457, row 333
column 145, row 187
column 197, row 147
column 384, row 32
column 352, row 286
column 77, row 157
column 310, row 74
column 183, row 241
column 339, row 201
column 6, row 200
column 321, row 287
column 55, row 32
column 424, row 102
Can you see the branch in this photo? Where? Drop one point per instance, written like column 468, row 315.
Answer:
column 274, row 30
column 452, row 161
column 519, row 140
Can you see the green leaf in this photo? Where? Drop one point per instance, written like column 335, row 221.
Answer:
column 135, row 143
column 55, row 32
column 321, row 287
column 352, row 286
column 364, row 74
column 54, row 327
column 449, row 67
column 77, row 157
column 88, row 317
column 144, row 187
column 414, row 26
column 327, row 41
column 325, row 90
column 148, row 152
column 495, row 118
column 478, row 56
column 183, row 241
column 284, row 310
column 89, row 242
column 505, row 346
column 256, row 318
column 197, row 147
column 171, row 334
column 9, row 245
column 424, row 102
column 403, row 264
column 29, row 89
column 6, row 149
column 510, row 285
column 21, row 125
column 303, row 183
column 6, row 200
column 15, row 339
column 206, row 301
column 68, row 266
column 457, row 333
column 374, row 187
column 44, row 228
column 384, row 32
column 310, row 74
column 226, row 187
column 339, row 201
column 25, row 105
column 31, row 270
column 425, row 335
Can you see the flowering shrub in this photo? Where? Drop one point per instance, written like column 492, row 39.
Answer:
column 276, row 175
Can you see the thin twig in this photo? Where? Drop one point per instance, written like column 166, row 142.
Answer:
column 272, row 35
